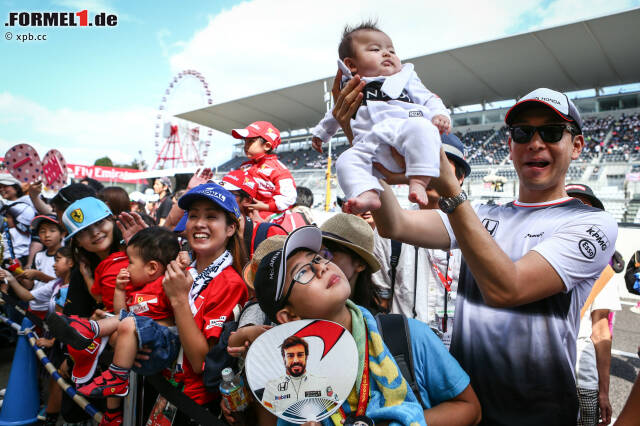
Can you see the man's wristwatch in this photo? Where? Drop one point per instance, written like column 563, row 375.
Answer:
column 448, row 205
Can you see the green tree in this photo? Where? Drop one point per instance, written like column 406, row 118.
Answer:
column 104, row 162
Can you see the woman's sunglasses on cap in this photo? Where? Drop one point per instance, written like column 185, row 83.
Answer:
column 550, row 133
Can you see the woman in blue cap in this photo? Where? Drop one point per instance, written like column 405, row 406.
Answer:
column 97, row 246
column 210, row 291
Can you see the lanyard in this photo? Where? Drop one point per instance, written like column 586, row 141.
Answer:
column 363, row 397
column 445, row 280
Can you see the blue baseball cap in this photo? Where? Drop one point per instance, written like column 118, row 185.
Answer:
column 83, row 213
column 212, row 192
column 455, row 151
column 182, row 225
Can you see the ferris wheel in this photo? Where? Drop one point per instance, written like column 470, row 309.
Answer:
column 179, row 143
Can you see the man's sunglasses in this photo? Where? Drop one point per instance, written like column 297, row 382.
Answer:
column 549, row 132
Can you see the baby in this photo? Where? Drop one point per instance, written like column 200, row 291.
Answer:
column 397, row 111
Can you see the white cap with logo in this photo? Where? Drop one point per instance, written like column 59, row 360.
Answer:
column 557, row 101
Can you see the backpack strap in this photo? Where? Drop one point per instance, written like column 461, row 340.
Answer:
column 415, row 280
column 396, row 248
column 261, row 234
column 390, row 327
column 248, row 235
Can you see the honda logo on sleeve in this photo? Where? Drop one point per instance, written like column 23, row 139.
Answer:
column 491, row 226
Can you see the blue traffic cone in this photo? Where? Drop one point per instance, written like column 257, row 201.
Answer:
column 22, row 398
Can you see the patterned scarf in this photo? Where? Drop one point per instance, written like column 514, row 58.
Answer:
column 390, row 397
column 202, row 280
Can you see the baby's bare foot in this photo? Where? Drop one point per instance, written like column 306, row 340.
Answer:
column 367, row 201
column 418, row 191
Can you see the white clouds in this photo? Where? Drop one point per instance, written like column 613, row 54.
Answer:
column 81, row 136
column 265, row 44
column 84, row 136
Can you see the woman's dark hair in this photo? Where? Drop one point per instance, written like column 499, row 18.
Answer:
column 116, row 198
column 18, row 188
column 71, row 193
column 147, row 219
column 363, row 292
column 235, row 246
column 92, row 259
column 92, row 183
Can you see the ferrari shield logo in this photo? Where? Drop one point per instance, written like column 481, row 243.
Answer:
column 77, row 215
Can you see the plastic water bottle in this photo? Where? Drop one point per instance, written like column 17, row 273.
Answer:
column 233, row 392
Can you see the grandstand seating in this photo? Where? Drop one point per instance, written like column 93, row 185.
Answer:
column 607, row 139
column 612, row 149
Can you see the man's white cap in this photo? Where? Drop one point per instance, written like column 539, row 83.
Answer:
column 7, row 179
column 557, row 101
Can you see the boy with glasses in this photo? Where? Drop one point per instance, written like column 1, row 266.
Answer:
column 298, row 282
column 528, row 266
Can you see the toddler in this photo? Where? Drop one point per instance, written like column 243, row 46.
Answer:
column 276, row 188
column 397, row 111
column 148, row 319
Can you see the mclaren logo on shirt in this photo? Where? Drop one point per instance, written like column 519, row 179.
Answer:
column 491, row 226
column 599, row 236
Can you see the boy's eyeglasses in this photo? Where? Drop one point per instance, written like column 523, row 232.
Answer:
column 550, row 133
column 306, row 272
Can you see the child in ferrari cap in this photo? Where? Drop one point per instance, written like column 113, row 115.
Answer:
column 276, row 187
column 297, row 282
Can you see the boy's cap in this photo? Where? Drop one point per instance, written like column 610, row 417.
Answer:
column 267, row 246
column 455, row 151
column 263, row 129
column 166, row 182
column 83, row 213
column 557, row 101
column 354, row 233
column 237, row 180
column 212, row 192
column 37, row 221
column 7, row 179
column 269, row 278
column 584, row 190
